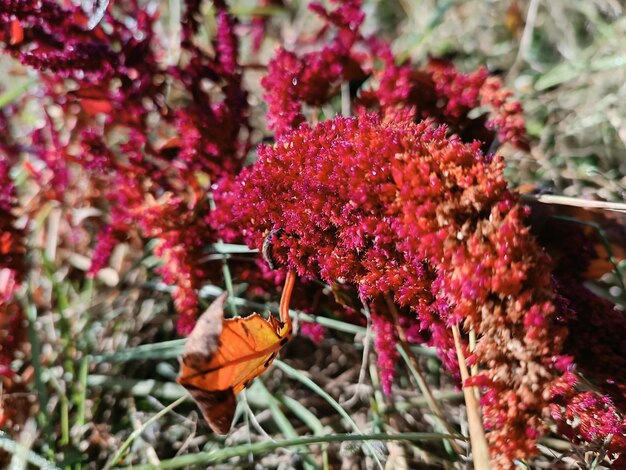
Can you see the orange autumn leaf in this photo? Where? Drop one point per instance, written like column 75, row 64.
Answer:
column 223, row 355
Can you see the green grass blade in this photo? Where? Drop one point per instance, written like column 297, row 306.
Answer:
column 256, row 448
column 15, row 93
column 566, row 71
column 450, row 395
column 9, row 445
column 282, row 421
column 309, row 419
column 80, row 393
column 42, row 391
column 427, row 394
column 278, row 416
column 303, row 379
column 163, row 350
column 303, row 414
column 137, row 388
column 137, row 432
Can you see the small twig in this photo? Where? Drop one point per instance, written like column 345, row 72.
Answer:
column 527, row 36
column 253, row 420
column 480, row 451
column 137, row 432
column 576, row 202
column 367, row 341
column 153, row 458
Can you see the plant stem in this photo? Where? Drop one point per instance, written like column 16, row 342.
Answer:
column 203, row 458
column 480, row 451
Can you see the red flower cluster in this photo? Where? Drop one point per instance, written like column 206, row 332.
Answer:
column 400, row 209
column 588, row 417
column 385, row 345
column 598, row 419
column 136, row 121
column 314, row 77
column 438, row 92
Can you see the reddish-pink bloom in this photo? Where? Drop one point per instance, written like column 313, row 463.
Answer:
column 386, row 352
column 343, row 54
column 590, row 417
column 401, row 209
column 120, row 129
column 106, row 241
column 314, row 331
column 313, row 78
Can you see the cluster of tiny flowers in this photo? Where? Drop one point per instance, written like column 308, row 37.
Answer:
column 437, row 91
column 400, row 209
column 119, row 126
column 315, row 77
column 460, row 93
column 588, row 417
column 386, row 352
column 403, row 204
column 314, row 331
column 181, row 237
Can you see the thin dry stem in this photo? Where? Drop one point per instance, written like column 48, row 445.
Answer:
column 576, row 202
column 526, row 39
column 151, row 454
column 480, row 451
